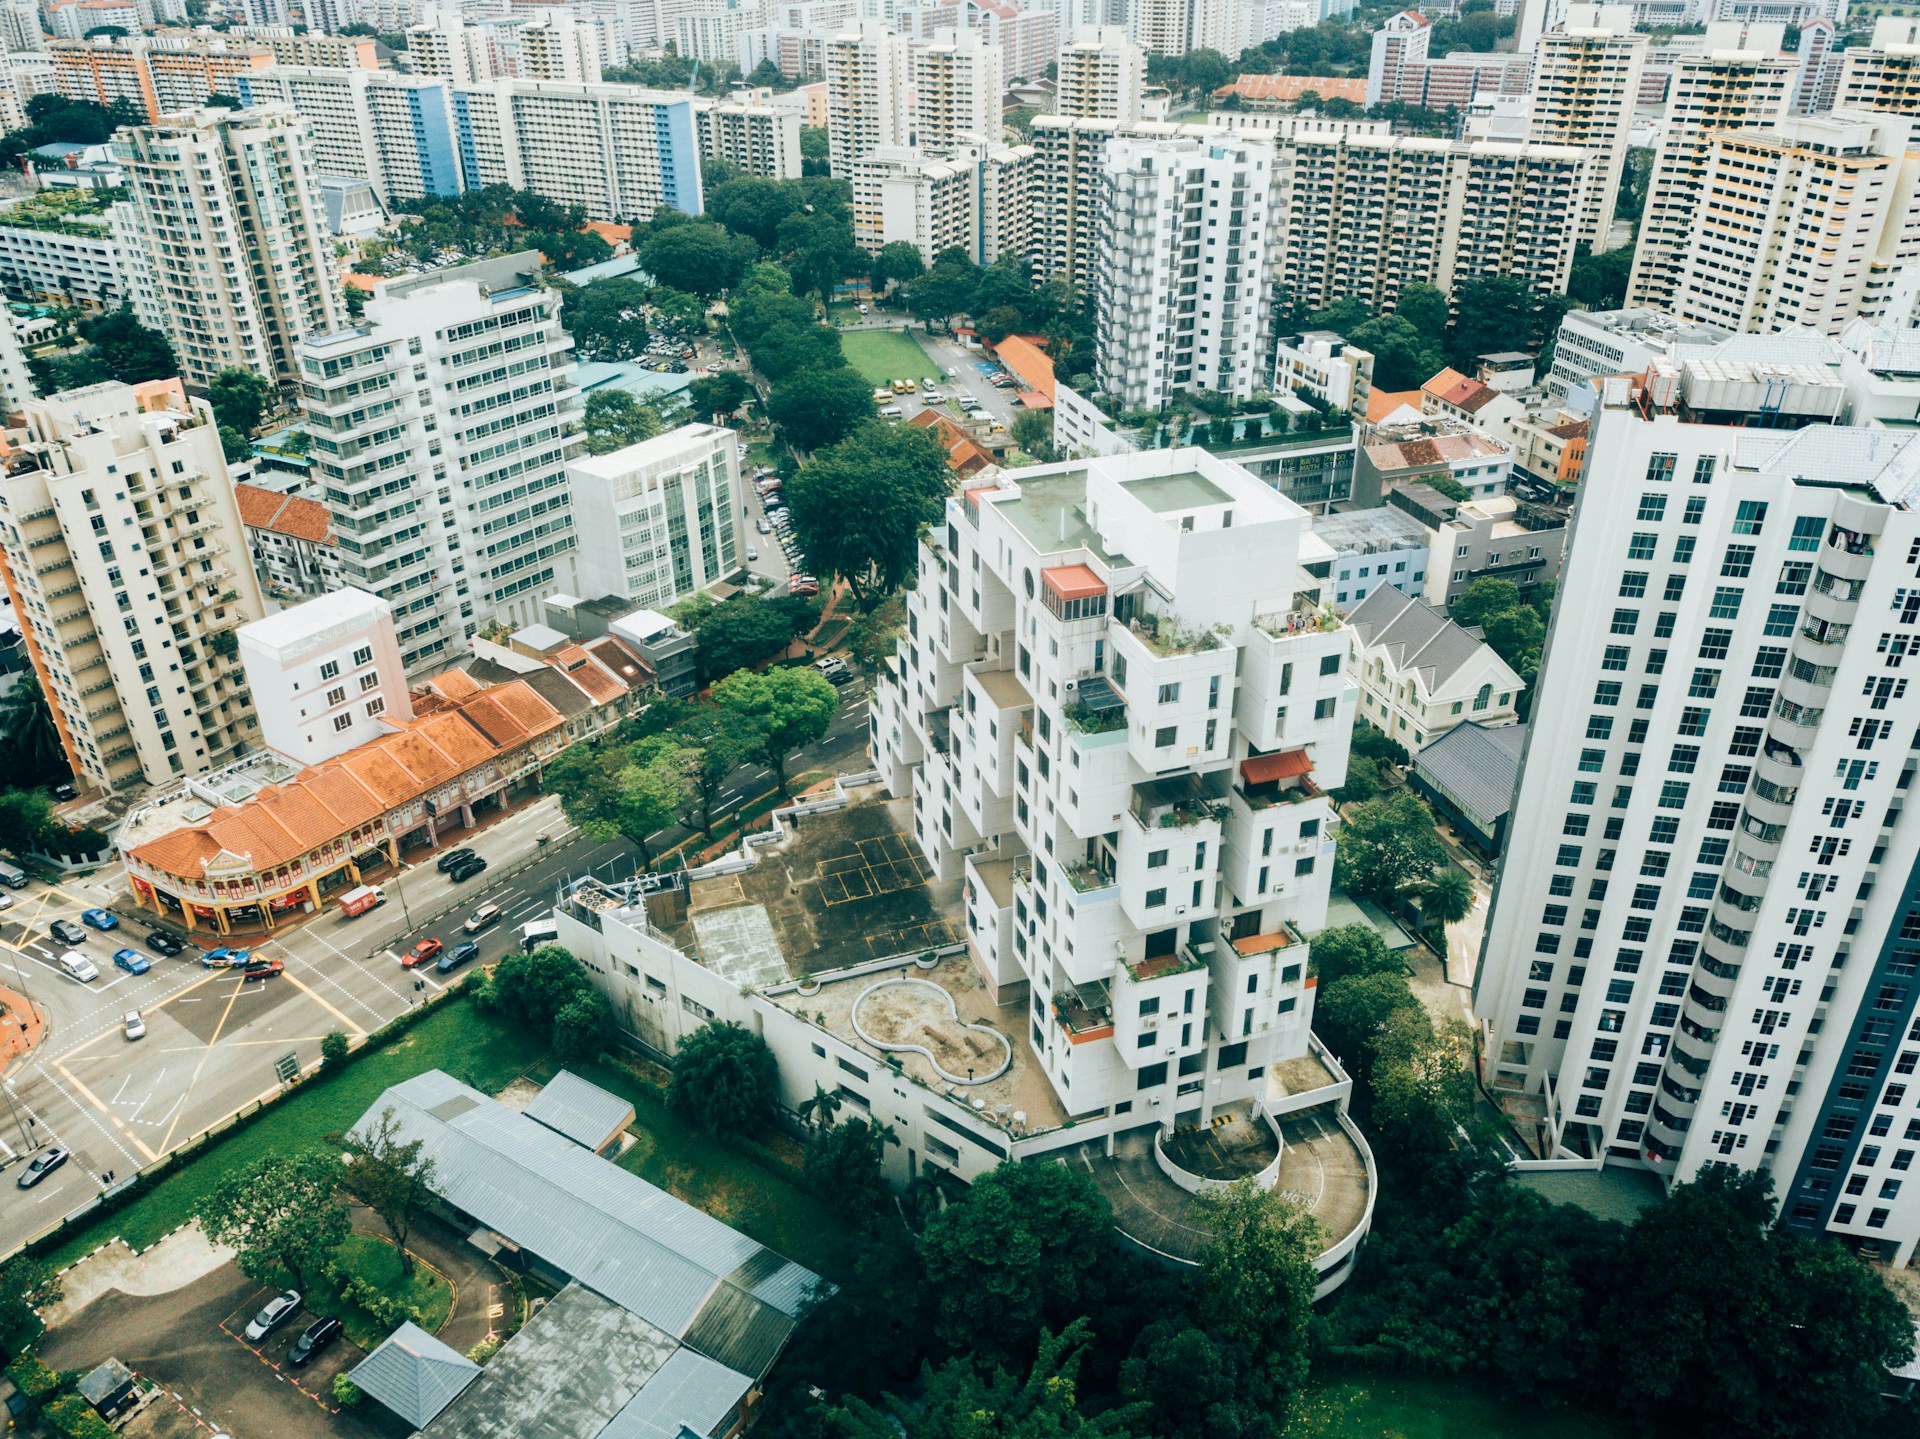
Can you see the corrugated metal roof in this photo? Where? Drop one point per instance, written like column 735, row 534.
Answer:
column 1476, row 765
column 414, row 1374
column 637, row 1245
column 585, row 1113
column 690, row 1394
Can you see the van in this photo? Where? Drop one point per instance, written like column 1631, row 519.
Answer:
column 903, row 387
column 889, row 412
column 12, row 876
column 537, row 932
column 359, row 901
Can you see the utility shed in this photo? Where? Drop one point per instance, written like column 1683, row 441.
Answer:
column 583, row 1112
column 414, row 1374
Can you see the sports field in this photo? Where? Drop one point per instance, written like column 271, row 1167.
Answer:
column 883, row 356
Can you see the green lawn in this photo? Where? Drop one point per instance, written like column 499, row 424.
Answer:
column 1407, row 1406
column 760, row 1200
column 458, row 1038
column 375, row 1260
column 883, row 356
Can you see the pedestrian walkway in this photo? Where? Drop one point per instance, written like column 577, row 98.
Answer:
column 22, row 1026
column 175, row 1262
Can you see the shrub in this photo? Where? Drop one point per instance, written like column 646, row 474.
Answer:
column 333, row 1049
column 485, row 1349
column 345, row 1392
column 73, row 1416
column 32, row 1378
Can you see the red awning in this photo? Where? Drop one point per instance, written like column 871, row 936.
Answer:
column 1073, row 582
column 1265, row 768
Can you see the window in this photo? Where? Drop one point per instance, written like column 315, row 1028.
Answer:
column 1673, row 794
column 1599, row 726
column 1726, row 602
column 1164, row 737
column 1569, row 856
column 1714, row 642
column 363, row 655
column 1156, row 899
column 1323, row 709
column 1685, row 757
column 1704, row 684
column 1676, row 587
column 375, row 706
column 1583, row 791
column 1593, row 760
column 1693, row 721
column 1640, row 547
column 1758, row 701
column 1633, row 584
column 341, row 722
column 1793, row 578
column 1696, row 507
column 1660, row 468
column 1156, row 859
column 1653, row 508
column 330, row 670
column 1615, row 658
column 1170, row 694
column 337, row 695
column 1749, row 517
column 1607, row 692
column 1806, row 533
column 1780, row 619
column 1625, row 622
column 1767, row 661
column 1663, row 626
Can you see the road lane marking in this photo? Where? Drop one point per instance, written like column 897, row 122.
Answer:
column 92, row 1099
column 288, row 978
column 198, row 1069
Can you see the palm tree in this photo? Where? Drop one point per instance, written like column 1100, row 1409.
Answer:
column 1448, row 898
column 821, row 1109
column 28, row 726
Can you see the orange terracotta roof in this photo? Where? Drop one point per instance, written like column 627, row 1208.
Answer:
column 580, row 666
column 1265, row 768
column 1073, row 582
column 1442, row 381
column 1288, row 88
column 613, row 234
column 455, row 685
column 284, row 822
column 621, row 661
column 1026, row 359
column 1381, row 403
column 963, row 455
column 291, row 515
column 356, row 281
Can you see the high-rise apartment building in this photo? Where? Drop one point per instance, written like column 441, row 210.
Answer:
column 976, row 198
column 1807, row 224
column 442, row 427
column 225, row 226
column 710, row 31
column 1162, row 27
column 1702, row 942
column 1182, row 298
column 562, row 44
column 127, row 565
column 660, row 520
column 1118, row 705
column 394, row 131
column 868, row 94
column 1740, row 81
column 753, row 134
column 1101, row 76
column 1367, row 215
column 1401, row 42
column 958, row 84
column 618, row 151
column 1886, row 74
column 162, row 75
column 1816, row 87
column 1586, row 82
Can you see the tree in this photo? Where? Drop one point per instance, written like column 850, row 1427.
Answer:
column 819, row 251
column 821, row 1110
column 1350, row 1013
column 859, row 506
column 614, row 420
column 282, row 1215
column 699, row 257
column 725, row 1080
column 719, row 742
column 1033, row 432
column 844, row 1166
column 677, row 311
column 1254, row 1291
column 813, row 150
column 996, row 324
column 1192, row 1383
column 1203, row 70
column 1378, row 745
column 1449, row 897
column 946, row 289
column 816, row 408
column 606, row 319
column 1491, row 313
column 389, row 1174
column 1421, row 1081
column 786, row 709
column 34, row 750
column 334, row 1049
column 1427, row 310
column 534, row 987
column 239, row 399
column 1599, row 282
column 584, row 1026
column 1483, row 599
column 620, row 791
column 718, row 396
column 127, row 350
column 1021, row 1250
column 1387, row 845
column 25, row 816
column 1364, row 781
column 26, row 1285
column 1403, row 358
column 898, row 263
column 793, row 349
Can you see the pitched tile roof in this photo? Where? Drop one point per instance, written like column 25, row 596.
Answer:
column 301, row 519
column 1416, row 636
column 414, row 1374
column 1031, row 363
column 963, row 455
column 1453, row 388
column 1288, row 88
column 1477, row 766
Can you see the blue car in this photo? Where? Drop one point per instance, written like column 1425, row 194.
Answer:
column 226, row 958
column 132, row 961
column 98, row 919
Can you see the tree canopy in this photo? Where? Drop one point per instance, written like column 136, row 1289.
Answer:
column 282, row 1215
column 1388, row 846
column 725, row 1080
column 819, row 407
column 699, row 257
column 858, row 507
column 784, row 710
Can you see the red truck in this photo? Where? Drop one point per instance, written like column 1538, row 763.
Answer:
column 359, row 901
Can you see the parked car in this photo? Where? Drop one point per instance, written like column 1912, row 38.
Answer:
column 263, row 969
column 132, row 961
column 315, row 1337
column 762, row 524
column 67, row 932
column 802, row 587
column 76, row 965
column 224, row 958
column 452, row 858
column 484, row 917
column 132, row 1025
column 425, row 950
column 65, row 792
column 6, row 900
column 41, row 1165
column 467, row 870
column 460, row 954
column 160, row 942
column 752, row 554
column 100, row 919
column 278, row 1311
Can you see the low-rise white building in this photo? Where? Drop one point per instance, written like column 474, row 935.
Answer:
column 1420, row 674
column 1382, row 546
column 659, row 520
column 326, row 675
column 1326, row 367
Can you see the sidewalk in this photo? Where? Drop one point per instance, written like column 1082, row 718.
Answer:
column 21, row 1027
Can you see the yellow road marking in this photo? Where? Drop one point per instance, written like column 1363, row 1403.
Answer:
column 200, row 1068
column 350, row 1026
column 94, row 1100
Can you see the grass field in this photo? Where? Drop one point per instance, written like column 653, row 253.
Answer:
column 883, row 356
column 750, row 1193
column 457, row 1037
column 1407, row 1406
column 368, row 1257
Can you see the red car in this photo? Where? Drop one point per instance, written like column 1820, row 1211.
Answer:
column 425, row 950
column 263, row 969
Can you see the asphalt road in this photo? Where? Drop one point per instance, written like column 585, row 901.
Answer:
column 212, row 1037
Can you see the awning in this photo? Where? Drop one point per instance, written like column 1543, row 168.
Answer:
column 1034, row 400
column 1265, row 768
column 1073, row 582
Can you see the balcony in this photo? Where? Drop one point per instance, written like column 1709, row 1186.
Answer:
column 1088, row 879
column 1085, row 1012
column 1179, row 802
column 1271, row 779
column 1286, row 937
column 1304, row 617
column 1160, row 966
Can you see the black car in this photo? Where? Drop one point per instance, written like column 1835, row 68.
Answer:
column 315, row 1337
column 41, row 1165
column 460, row 954
column 466, row 869
column 453, row 859
column 160, row 942
column 67, row 932
column 65, row 792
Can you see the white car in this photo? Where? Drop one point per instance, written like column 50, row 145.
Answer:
column 134, row 1025
column 752, row 553
column 953, row 372
column 6, row 901
column 76, row 965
